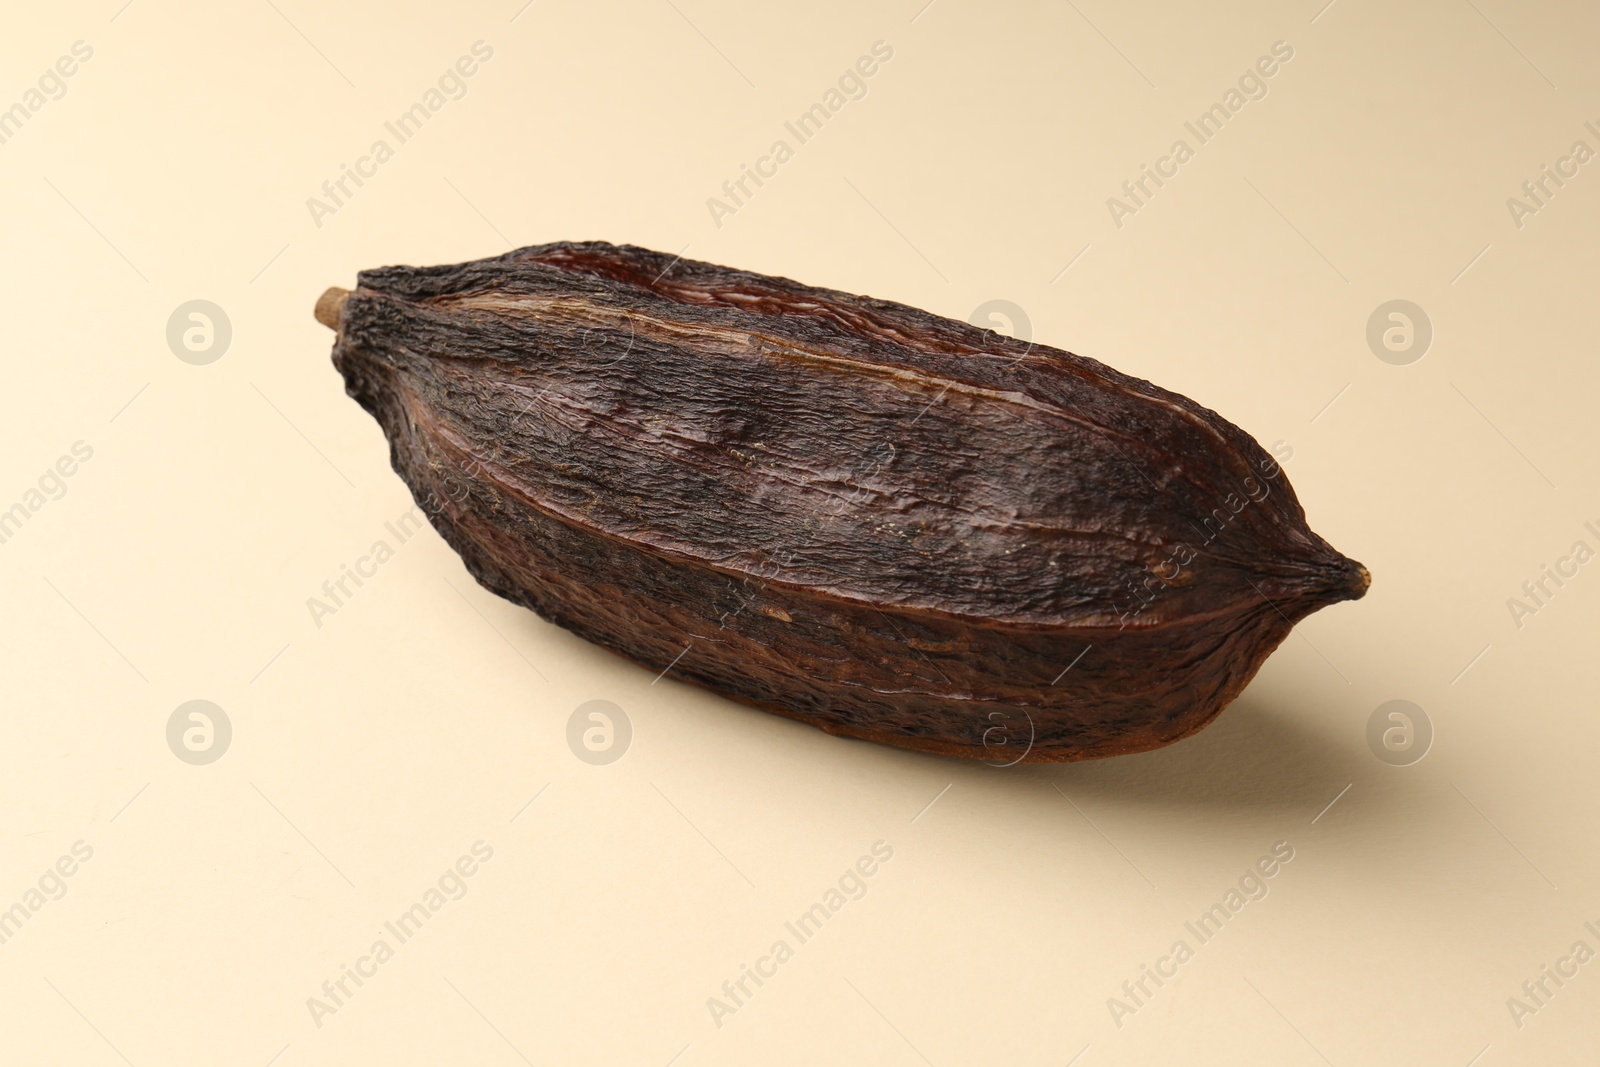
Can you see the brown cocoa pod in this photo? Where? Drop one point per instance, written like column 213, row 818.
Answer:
column 889, row 524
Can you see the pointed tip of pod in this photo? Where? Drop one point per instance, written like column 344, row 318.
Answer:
column 1349, row 582
column 329, row 305
column 1330, row 581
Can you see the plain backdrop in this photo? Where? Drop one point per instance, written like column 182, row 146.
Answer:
column 374, row 748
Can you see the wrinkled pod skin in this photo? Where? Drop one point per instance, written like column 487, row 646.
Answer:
column 888, row 524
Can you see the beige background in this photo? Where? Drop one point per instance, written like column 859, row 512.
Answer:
column 371, row 752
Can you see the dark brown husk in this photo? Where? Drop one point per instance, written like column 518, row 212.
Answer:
column 888, row 524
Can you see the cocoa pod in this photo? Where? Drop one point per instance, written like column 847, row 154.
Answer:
column 889, row 524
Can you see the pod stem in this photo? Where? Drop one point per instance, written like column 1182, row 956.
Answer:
column 329, row 304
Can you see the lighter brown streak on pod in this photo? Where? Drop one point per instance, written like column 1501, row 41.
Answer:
column 741, row 342
column 860, row 319
column 998, row 522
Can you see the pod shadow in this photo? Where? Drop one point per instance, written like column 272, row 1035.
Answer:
column 1259, row 755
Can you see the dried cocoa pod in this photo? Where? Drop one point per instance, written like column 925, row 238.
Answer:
column 888, row 524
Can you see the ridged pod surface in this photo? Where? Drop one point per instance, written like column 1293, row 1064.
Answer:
column 886, row 523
